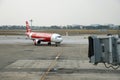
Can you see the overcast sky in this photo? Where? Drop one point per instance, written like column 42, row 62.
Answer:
column 59, row 12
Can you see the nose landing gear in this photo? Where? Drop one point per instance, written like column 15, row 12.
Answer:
column 49, row 43
column 57, row 44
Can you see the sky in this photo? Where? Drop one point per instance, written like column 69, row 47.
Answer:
column 59, row 12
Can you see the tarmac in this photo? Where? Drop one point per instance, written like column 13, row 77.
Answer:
column 21, row 60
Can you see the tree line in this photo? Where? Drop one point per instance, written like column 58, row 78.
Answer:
column 13, row 27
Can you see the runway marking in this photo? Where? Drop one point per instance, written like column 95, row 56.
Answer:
column 50, row 66
column 35, row 76
column 44, row 64
column 82, row 69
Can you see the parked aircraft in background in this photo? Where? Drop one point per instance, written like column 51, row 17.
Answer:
column 43, row 37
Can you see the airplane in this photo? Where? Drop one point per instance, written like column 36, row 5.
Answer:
column 43, row 37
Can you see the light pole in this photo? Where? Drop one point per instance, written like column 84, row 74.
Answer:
column 119, row 31
column 31, row 22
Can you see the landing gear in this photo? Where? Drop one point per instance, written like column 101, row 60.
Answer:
column 39, row 42
column 57, row 44
column 49, row 43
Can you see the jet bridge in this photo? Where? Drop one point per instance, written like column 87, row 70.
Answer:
column 104, row 50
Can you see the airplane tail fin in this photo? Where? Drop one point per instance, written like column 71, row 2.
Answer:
column 28, row 29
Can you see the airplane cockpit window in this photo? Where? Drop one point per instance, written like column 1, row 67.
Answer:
column 59, row 36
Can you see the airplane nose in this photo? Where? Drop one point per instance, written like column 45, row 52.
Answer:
column 56, row 38
column 59, row 39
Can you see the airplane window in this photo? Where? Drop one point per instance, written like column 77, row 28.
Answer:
column 59, row 36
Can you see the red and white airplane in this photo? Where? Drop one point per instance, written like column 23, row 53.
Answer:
column 43, row 37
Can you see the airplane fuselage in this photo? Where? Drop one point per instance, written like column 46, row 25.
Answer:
column 45, row 37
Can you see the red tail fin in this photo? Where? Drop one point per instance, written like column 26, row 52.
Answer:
column 28, row 27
